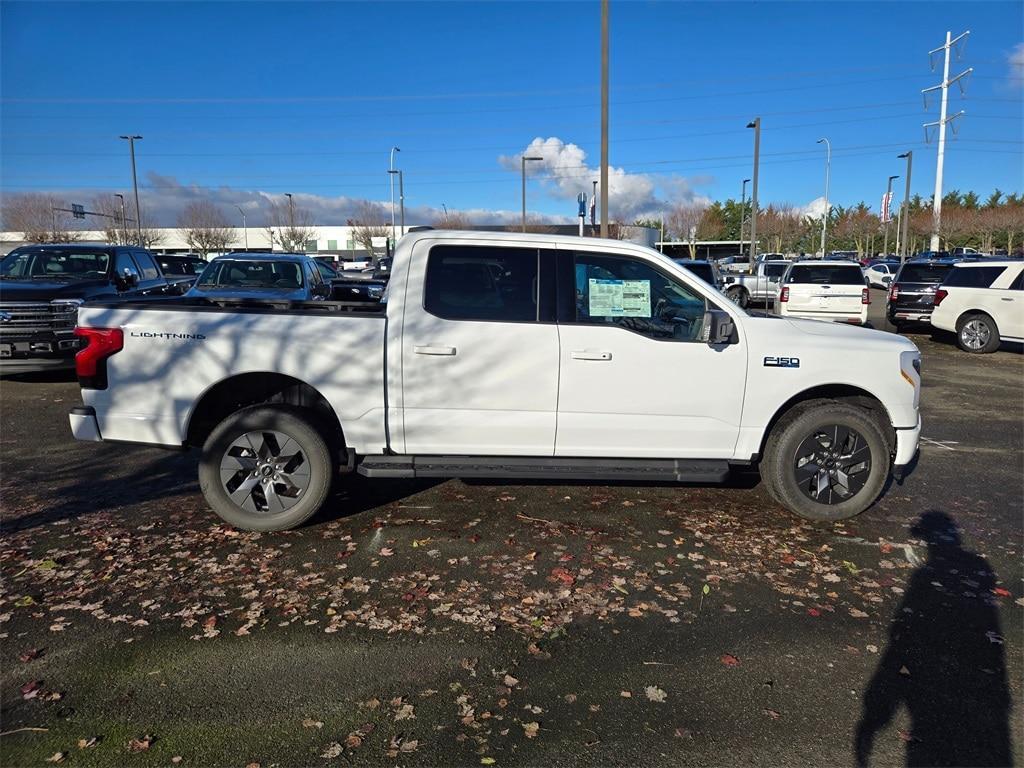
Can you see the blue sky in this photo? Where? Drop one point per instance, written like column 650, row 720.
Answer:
column 241, row 101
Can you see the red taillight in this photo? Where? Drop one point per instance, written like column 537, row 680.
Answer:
column 865, row 296
column 784, row 296
column 894, row 293
column 90, row 362
column 940, row 295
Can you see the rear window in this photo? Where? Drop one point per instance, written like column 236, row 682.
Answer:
column 833, row 274
column 703, row 271
column 924, row 273
column 973, row 277
column 482, row 283
column 775, row 270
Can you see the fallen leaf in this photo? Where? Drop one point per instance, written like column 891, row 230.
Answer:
column 562, row 575
column 57, row 757
column 353, row 741
column 729, row 660
column 904, row 671
column 331, row 751
column 858, row 614
column 310, row 723
column 140, row 745
column 86, row 743
column 252, row 765
column 30, row 655
column 771, row 713
column 487, row 761
column 409, row 746
column 1001, row 592
column 530, row 729
column 626, row 694
column 872, row 648
column 813, row 612
column 176, row 759
column 510, row 682
column 405, row 712
column 31, row 689
column 655, row 694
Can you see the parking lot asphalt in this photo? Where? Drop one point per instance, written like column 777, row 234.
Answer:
column 450, row 623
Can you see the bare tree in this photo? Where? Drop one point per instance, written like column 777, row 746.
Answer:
column 369, row 224
column 34, row 215
column 113, row 228
column 453, row 220
column 289, row 225
column 781, row 225
column 683, row 222
column 206, row 228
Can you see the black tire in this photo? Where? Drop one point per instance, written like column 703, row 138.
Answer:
column 977, row 333
column 807, row 430
column 739, row 296
column 288, row 484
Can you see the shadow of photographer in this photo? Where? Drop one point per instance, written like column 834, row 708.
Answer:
column 944, row 662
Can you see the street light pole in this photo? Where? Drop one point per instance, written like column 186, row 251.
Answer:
column 391, row 181
column 888, row 195
column 524, row 159
column 135, row 186
column 743, row 210
column 904, row 248
column 828, row 173
column 604, row 118
column 756, row 125
column 245, row 232
column 401, row 200
column 124, row 220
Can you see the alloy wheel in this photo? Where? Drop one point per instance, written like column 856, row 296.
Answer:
column 975, row 334
column 832, row 464
column 264, row 472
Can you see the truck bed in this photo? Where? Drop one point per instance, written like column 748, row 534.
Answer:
column 177, row 350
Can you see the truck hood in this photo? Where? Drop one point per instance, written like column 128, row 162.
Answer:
column 821, row 334
column 847, row 334
column 47, row 290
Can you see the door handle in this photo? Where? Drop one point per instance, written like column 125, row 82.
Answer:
column 434, row 350
column 1006, row 299
column 587, row 355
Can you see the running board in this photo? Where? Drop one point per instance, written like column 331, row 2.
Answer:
column 548, row 468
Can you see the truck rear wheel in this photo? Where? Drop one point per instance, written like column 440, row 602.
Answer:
column 739, row 296
column 826, row 461
column 265, row 468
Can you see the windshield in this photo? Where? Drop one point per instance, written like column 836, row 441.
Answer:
column 924, row 273
column 172, row 266
column 251, row 274
column 834, row 274
column 65, row 264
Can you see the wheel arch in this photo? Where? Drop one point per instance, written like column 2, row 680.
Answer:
column 968, row 312
column 256, row 388
column 846, row 393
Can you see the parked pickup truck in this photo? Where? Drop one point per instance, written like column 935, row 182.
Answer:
column 42, row 286
column 761, row 286
column 503, row 355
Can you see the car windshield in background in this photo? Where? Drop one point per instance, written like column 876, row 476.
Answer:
column 55, row 265
column 924, row 273
column 172, row 266
column 835, row 274
column 703, row 271
column 251, row 274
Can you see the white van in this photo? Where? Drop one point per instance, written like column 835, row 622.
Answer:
column 825, row 290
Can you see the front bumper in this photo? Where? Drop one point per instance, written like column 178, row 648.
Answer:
column 906, row 446
column 38, row 351
column 84, row 425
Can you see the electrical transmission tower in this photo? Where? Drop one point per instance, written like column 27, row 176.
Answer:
column 941, row 123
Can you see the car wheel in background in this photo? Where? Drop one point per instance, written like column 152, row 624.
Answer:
column 826, row 460
column 977, row 333
column 265, row 468
column 739, row 296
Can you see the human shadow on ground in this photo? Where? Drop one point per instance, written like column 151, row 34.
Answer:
column 945, row 661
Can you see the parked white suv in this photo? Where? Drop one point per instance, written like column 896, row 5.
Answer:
column 825, row 290
column 983, row 302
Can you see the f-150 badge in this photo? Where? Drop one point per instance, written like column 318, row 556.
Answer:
column 782, row 362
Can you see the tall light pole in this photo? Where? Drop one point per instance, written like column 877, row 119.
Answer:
column 909, row 154
column 245, row 232
column 391, row 180
column 756, row 125
column 887, row 215
column 524, row 159
column 445, row 208
column 828, row 173
column 124, row 221
column 743, row 210
column 135, row 185
column 401, row 199
column 604, row 118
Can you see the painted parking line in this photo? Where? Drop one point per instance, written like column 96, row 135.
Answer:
column 947, row 444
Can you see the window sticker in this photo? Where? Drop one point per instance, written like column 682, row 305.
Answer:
column 619, row 298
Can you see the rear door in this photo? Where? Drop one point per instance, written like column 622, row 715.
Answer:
column 150, row 280
column 479, row 351
column 826, row 289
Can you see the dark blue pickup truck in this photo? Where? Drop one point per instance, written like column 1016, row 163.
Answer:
column 42, row 286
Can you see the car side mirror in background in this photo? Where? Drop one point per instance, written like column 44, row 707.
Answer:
column 718, row 327
column 126, row 281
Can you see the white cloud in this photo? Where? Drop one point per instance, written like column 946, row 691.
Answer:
column 813, row 209
column 1016, row 62
column 565, row 173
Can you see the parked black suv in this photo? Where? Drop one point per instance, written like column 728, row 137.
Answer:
column 41, row 287
column 912, row 293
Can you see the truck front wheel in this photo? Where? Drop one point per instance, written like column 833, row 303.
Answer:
column 265, row 468
column 826, row 461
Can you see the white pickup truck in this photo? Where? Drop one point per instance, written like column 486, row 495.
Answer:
column 502, row 356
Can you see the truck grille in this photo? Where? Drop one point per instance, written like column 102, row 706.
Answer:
column 21, row 317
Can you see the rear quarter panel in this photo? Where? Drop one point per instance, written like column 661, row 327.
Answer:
column 172, row 357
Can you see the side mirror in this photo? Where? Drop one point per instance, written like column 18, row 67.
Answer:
column 718, row 327
column 127, row 280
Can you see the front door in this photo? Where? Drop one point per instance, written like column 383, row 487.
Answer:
column 479, row 352
column 636, row 378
